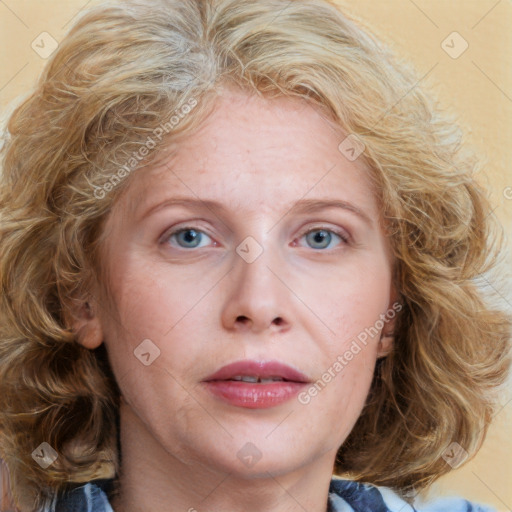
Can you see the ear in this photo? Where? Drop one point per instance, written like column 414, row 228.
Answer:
column 387, row 336
column 83, row 320
column 386, row 344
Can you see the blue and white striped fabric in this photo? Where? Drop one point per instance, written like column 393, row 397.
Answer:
column 90, row 497
column 349, row 496
column 344, row 496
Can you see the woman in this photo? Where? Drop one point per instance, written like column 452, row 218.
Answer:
column 238, row 256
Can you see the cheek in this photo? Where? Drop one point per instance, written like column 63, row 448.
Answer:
column 149, row 302
column 332, row 404
column 352, row 301
column 155, row 321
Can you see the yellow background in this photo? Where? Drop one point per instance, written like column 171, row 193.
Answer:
column 477, row 86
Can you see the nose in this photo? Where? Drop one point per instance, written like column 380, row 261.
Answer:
column 257, row 299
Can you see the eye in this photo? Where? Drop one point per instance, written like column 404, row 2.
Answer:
column 321, row 238
column 188, row 237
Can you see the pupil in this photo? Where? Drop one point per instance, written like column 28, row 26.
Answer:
column 188, row 236
column 319, row 237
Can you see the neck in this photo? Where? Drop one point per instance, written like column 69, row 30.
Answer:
column 153, row 479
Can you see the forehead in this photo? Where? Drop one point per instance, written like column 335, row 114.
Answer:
column 257, row 149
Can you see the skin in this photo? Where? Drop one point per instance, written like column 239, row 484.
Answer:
column 302, row 302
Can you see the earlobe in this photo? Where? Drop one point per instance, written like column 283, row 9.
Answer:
column 386, row 343
column 387, row 336
column 86, row 325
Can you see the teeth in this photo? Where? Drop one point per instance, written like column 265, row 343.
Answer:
column 250, row 378
column 246, row 378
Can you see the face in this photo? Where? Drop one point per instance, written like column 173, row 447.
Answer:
column 231, row 250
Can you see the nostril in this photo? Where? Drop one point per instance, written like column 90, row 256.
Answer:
column 243, row 319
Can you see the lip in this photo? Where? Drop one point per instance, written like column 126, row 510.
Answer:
column 256, row 395
column 263, row 369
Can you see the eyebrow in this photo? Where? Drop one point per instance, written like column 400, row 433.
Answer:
column 300, row 206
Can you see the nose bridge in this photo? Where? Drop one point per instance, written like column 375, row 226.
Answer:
column 253, row 262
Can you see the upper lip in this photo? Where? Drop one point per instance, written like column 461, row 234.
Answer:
column 263, row 369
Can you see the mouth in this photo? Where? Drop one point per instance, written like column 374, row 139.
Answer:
column 258, row 372
column 258, row 380
column 255, row 384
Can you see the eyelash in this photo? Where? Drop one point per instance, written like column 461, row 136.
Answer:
column 345, row 239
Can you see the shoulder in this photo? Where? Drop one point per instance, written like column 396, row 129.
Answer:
column 350, row 496
column 344, row 496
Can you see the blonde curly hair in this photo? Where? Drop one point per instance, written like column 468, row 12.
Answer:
column 125, row 74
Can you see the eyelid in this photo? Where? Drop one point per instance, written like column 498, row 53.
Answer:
column 174, row 230
column 342, row 233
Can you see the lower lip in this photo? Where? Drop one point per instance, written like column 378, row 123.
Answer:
column 254, row 396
